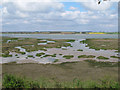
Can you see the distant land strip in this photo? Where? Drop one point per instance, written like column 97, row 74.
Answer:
column 55, row 32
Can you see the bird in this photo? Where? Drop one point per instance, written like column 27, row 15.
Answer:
column 99, row 1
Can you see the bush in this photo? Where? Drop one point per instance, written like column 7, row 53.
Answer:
column 11, row 81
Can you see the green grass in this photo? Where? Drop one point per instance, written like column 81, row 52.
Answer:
column 22, row 53
column 16, row 54
column 40, row 54
column 115, row 57
column 47, row 55
column 70, row 40
column 79, row 50
column 64, row 49
column 102, row 57
column 86, row 56
column 30, row 55
column 12, row 81
column 5, row 55
column 56, row 60
column 68, row 56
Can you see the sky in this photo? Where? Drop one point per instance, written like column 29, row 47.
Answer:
column 49, row 15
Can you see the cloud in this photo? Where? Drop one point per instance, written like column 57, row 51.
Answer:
column 49, row 15
column 73, row 8
column 93, row 5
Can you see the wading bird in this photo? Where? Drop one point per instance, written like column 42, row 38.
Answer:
column 99, row 1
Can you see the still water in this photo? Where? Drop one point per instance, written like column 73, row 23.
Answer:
column 63, row 36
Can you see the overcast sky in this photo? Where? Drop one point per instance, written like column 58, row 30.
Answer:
column 23, row 15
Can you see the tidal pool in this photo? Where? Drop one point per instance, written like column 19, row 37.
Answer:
column 63, row 50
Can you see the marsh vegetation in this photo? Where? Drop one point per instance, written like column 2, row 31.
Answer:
column 86, row 56
column 31, row 44
column 105, row 44
column 84, row 74
column 12, row 81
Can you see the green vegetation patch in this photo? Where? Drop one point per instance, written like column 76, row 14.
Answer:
column 6, row 54
column 86, row 56
column 79, row 50
column 70, row 40
column 115, row 57
column 47, row 55
column 68, row 56
column 56, row 60
column 40, row 54
column 30, row 55
column 16, row 54
column 27, row 42
column 12, row 81
column 22, row 53
column 64, row 49
column 102, row 57
column 105, row 44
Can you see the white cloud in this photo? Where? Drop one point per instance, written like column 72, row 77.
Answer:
column 53, row 16
column 23, row 15
column 4, row 10
column 108, row 25
column 72, row 8
column 95, row 6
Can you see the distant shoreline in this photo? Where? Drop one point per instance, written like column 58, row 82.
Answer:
column 59, row 33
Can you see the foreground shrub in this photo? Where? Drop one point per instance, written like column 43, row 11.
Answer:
column 11, row 81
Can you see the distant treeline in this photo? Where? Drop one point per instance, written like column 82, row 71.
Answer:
column 52, row 32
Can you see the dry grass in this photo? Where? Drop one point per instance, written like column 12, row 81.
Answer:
column 62, row 72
